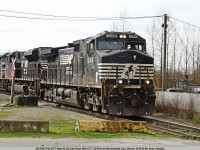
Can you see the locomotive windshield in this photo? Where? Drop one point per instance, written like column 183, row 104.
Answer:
column 117, row 45
column 120, row 41
column 109, row 45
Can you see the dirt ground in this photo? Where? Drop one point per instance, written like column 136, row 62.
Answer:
column 44, row 110
column 111, row 143
column 49, row 110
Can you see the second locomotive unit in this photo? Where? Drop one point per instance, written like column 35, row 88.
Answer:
column 110, row 72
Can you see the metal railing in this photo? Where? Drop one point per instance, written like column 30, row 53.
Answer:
column 188, row 88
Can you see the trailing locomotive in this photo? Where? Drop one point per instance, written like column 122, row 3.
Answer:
column 110, row 73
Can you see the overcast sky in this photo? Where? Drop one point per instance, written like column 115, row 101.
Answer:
column 24, row 34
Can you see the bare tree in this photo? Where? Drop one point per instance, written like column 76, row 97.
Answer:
column 122, row 25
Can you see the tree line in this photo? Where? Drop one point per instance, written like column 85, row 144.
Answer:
column 183, row 49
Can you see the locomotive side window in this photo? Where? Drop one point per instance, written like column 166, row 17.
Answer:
column 139, row 47
column 91, row 46
column 76, row 47
column 135, row 46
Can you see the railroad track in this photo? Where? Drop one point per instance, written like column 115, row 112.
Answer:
column 173, row 128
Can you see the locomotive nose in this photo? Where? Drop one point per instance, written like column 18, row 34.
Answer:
column 117, row 56
column 125, row 56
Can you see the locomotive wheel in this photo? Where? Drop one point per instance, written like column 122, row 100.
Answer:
column 86, row 104
column 90, row 107
column 46, row 98
column 96, row 108
column 96, row 104
column 51, row 99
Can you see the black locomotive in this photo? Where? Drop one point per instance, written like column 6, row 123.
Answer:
column 110, row 73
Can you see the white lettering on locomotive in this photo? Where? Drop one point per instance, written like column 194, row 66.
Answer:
column 66, row 59
column 111, row 35
column 132, row 36
column 90, row 60
column 25, row 66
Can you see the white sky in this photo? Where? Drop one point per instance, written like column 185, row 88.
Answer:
column 24, row 34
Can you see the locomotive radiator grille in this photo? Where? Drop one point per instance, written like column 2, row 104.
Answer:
column 125, row 71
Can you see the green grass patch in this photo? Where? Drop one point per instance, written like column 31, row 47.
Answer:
column 196, row 121
column 5, row 113
column 4, row 101
column 61, row 127
column 66, row 128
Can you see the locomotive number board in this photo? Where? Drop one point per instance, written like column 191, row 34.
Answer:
column 129, row 36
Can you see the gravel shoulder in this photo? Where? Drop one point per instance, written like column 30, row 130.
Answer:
column 44, row 111
column 83, row 142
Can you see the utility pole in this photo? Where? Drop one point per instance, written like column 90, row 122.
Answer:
column 164, row 53
column 161, row 64
column 13, row 80
column 198, row 62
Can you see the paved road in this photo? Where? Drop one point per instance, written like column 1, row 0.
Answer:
column 103, row 143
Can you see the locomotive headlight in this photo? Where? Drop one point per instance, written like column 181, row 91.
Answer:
column 120, row 81
column 147, row 82
column 122, row 36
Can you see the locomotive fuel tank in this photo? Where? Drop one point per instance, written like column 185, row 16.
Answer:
column 21, row 89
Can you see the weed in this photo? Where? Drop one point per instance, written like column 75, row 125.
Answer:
column 186, row 114
column 167, row 108
column 190, row 112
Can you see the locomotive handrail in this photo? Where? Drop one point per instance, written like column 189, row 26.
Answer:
column 107, row 73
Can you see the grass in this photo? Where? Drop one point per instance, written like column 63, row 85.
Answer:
column 65, row 128
column 5, row 101
column 196, row 119
column 5, row 113
column 62, row 127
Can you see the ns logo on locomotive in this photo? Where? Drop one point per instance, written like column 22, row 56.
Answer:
column 110, row 73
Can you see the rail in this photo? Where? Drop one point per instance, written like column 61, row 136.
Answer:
column 173, row 128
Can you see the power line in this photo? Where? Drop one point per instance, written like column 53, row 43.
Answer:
column 184, row 22
column 27, row 13
column 71, row 18
column 183, row 44
column 39, row 18
column 177, row 34
column 75, row 18
column 45, row 15
column 66, row 18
